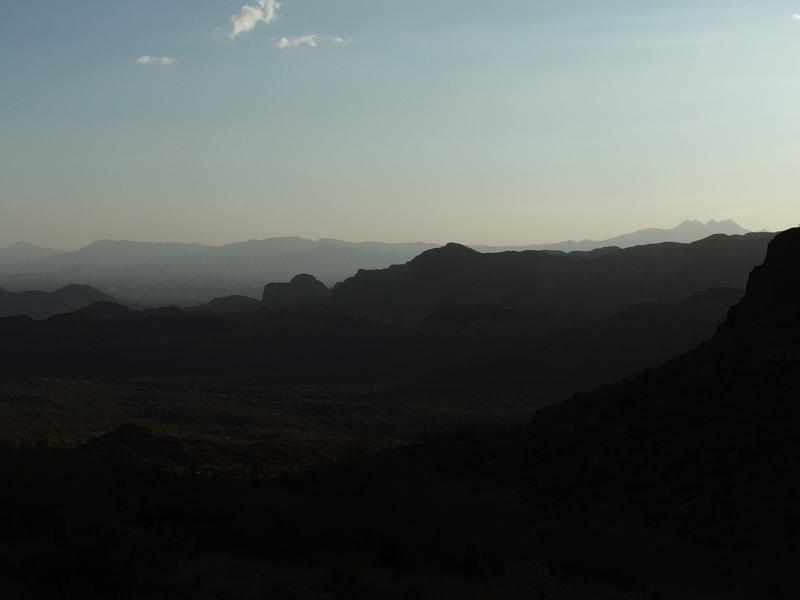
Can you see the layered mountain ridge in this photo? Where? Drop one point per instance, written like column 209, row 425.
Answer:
column 41, row 305
column 190, row 274
column 595, row 283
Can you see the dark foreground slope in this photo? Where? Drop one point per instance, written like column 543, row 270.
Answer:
column 595, row 283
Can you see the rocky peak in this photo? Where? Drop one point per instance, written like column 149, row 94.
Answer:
column 773, row 291
column 301, row 291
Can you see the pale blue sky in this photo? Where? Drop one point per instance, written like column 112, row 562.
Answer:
column 511, row 121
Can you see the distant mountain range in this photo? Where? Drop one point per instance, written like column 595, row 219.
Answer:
column 21, row 254
column 190, row 274
column 686, row 232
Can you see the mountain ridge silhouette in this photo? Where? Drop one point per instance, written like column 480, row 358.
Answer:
column 191, row 274
column 42, row 305
column 597, row 282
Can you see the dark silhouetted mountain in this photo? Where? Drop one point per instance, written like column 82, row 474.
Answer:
column 593, row 283
column 496, row 346
column 282, row 345
column 163, row 311
column 536, row 319
column 485, row 318
column 685, row 233
column 457, row 346
column 719, row 296
column 301, row 291
column 230, row 305
column 773, row 292
column 639, row 337
column 41, row 305
column 107, row 310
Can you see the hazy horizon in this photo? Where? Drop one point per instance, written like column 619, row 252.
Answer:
column 505, row 123
column 368, row 241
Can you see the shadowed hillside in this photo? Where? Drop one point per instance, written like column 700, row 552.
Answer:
column 302, row 291
column 483, row 345
column 593, row 283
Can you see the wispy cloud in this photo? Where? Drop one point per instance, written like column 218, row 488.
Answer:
column 147, row 59
column 312, row 40
column 250, row 15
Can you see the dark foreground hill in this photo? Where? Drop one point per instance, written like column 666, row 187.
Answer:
column 41, row 305
column 595, row 283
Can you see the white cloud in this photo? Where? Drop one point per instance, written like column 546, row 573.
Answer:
column 796, row 16
column 311, row 40
column 250, row 15
column 155, row 60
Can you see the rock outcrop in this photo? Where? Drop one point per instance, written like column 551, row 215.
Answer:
column 301, row 291
column 773, row 292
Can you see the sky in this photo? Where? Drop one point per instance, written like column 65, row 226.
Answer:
column 502, row 122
